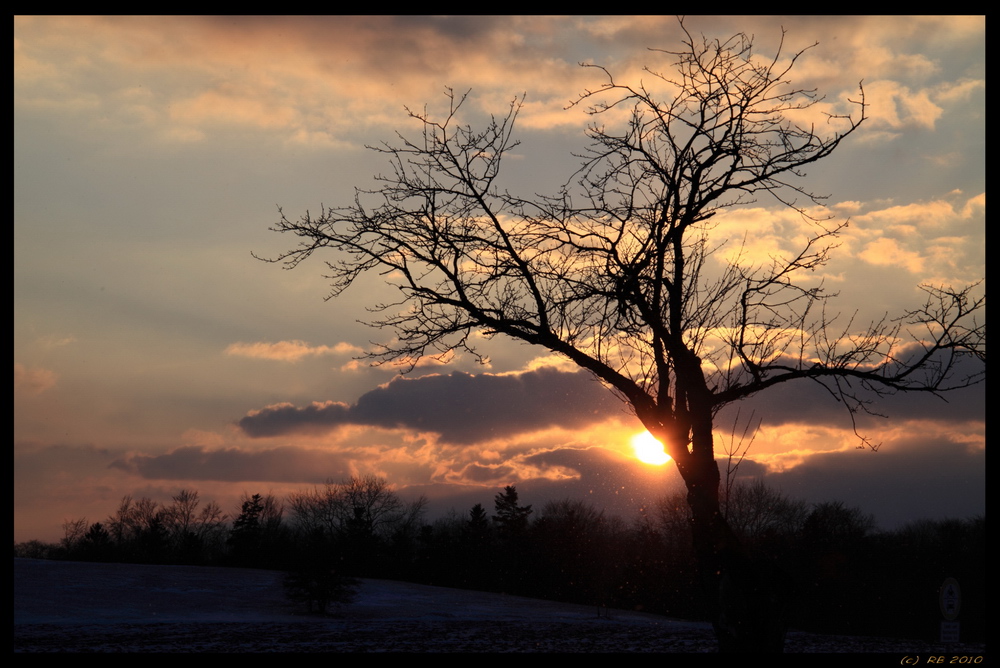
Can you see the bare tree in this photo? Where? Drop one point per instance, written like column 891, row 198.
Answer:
column 120, row 524
column 211, row 521
column 132, row 518
column 318, row 509
column 180, row 516
column 613, row 273
column 366, row 503
column 192, row 530
column 73, row 533
column 753, row 510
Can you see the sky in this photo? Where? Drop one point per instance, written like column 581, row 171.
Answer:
column 153, row 353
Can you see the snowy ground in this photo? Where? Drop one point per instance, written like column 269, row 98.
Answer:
column 83, row 607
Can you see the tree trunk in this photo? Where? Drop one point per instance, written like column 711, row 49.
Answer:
column 747, row 598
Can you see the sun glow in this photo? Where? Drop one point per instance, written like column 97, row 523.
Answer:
column 649, row 450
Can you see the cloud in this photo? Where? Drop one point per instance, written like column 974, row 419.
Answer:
column 284, row 418
column 809, row 402
column 216, row 107
column 487, row 474
column 938, row 237
column 316, row 76
column 887, row 252
column 960, row 91
column 462, row 408
column 407, row 461
column 289, row 351
column 939, row 240
column 921, row 475
column 33, row 381
column 895, row 106
column 326, row 76
column 282, row 464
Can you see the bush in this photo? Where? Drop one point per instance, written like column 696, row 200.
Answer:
column 313, row 580
column 321, row 586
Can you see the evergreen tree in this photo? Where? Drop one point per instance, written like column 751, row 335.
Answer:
column 512, row 562
column 510, row 517
column 96, row 544
column 257, row 535
column 478, row 522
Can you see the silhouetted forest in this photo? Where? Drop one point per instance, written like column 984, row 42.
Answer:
column 845, row 575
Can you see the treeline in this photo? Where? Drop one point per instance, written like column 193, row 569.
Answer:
column 842, row 573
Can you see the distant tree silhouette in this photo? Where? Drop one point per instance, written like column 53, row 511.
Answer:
column 366, row 504
column 832, row 523
column 756, row 511
column 511, row 518
column 573, row 546
column 374, row 528
column 136, row 527
column 853, row 578
column 121, row 523
column 511, row 558
column 97, row 544
column 152, row 542
column 73, row 533
column 192, row 528
column 257, row 536
column 36, row 549
column 245, row 538
column 478, row 555
column 478, row 520
column 180, row 516
column 617, row 270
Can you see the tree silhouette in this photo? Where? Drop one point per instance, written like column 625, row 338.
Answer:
column 511, row 518
column 613, row 271
column 257, row 536
column 73, row 532
column 478, row 521
column 754, row 511
column 513, row 545
column 362, row 504
column 364, row 516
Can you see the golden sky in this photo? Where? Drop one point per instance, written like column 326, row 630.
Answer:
column 153, row 353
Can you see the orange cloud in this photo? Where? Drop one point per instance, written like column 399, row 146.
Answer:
column 33, row 381
column 938, row 239
column 218, row 107
column 323, row 78
column 288, row 351
column 887, row 252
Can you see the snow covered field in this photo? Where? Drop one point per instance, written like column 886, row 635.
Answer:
column 86, row 607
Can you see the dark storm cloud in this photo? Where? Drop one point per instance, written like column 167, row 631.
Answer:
column 903, row 481
column 461, row 407
column 381, row 45
column 808, row 402
column 285, row 418
column 462, row 29
column 285, row 464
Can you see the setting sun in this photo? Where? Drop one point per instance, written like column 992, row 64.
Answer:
column 649, row 450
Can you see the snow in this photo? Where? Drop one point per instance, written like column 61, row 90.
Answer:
column 88, row 607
